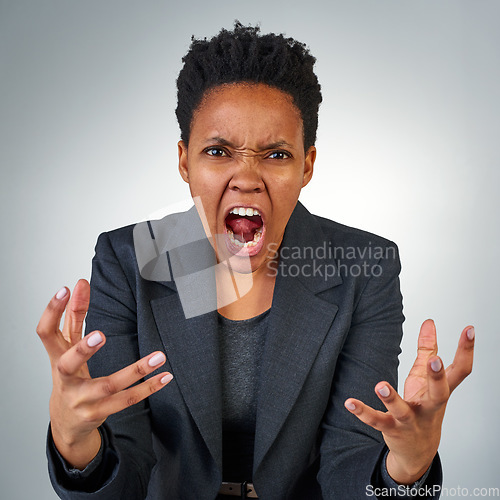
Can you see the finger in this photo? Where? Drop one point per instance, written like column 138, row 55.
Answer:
column 427, row 346
column 464, row 357
column 129, row 375
column 427, row 339
column 437, row 383
column 76, row 311
column 48, row 326
column 129, row 397
column 395, row 404
column 73, row 359
column 379, row 420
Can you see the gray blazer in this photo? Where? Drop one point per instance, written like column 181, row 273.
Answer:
column 334, row 332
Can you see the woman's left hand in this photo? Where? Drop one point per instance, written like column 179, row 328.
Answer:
column 412, row 425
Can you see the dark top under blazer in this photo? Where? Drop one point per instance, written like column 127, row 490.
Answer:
column 329, row 339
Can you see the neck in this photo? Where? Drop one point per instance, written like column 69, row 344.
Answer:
column 243, row 296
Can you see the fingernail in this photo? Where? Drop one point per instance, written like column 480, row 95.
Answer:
column 436, row 365
column 158, row 358
column 350, row 406
column 167, row 378
column 471, row 333
column 94, row 339
column 61, row 293
column 384, row 391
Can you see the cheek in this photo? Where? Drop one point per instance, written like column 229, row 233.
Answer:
column 210, row 189
column 283, row 204
column 206, row 184
column 285, row 191
column 284, row 194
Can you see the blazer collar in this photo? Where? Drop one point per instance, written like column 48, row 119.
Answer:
column 298, row 323
column 305, row 253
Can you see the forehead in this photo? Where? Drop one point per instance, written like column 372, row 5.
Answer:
column 247, row 112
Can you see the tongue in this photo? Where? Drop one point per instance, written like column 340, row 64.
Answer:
column 243, row 227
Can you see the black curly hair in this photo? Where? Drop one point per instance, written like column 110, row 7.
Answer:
column 245, row 55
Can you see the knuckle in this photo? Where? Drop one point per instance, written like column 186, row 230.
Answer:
column 360, row 411
column 81, row 350
column 405, row 416
column 465, row 371
column 441, row 396
column 391, row 398
column 438, row 377
column 443, row 399
column 74, row 404
column 426, row 349
column 41, row 331
column 79, row 309
column 62, row 368
column 89, row 415
column 132, row 400
column 140, row 370
column 108, row 387
column 154, row 386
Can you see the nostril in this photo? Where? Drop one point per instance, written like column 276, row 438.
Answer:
column 246, row 182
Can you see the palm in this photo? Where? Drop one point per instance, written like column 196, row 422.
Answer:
column 415, row 386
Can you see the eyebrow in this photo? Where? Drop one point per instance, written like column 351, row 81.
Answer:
column 225, row 142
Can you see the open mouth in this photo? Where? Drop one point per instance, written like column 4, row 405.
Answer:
column 244, row 231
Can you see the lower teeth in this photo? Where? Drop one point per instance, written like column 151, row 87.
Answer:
column 246, row 244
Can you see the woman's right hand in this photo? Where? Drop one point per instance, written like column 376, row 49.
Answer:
column 78, row 403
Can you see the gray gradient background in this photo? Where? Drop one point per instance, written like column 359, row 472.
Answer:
column 407, row 148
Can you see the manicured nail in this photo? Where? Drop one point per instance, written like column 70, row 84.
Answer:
column 384, row 391
column 167, row 378
column 436, row 365
column 158, row 358
column 350, row 406
column 94, row 339
column 61, row 293
column 471, row 333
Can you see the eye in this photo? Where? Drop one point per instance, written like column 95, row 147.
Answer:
column 279, row 155
column 217, row 152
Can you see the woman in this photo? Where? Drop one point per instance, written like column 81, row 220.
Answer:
column 281, row 329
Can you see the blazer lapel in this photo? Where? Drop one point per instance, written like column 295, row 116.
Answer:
column 187, row 320
column 298, row 323
column 191, row 346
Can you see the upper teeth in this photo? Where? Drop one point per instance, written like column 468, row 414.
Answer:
column 244, row 211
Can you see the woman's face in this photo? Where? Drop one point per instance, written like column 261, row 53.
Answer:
column 247, row 164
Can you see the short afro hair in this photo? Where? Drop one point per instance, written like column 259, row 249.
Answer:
column 244, row 55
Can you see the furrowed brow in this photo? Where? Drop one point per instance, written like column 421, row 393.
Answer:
column 277, row 144
column 221, row 141
column 272, row 145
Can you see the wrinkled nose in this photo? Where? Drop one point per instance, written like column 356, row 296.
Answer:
column 247, row 176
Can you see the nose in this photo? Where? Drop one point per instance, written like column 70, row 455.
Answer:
column 247, row 176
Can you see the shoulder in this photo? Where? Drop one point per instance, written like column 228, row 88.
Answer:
column 117, row 242
column 352, row 243
column 337, row 236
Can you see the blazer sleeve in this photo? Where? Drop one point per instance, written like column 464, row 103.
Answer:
column 127, row 450
column 351, row 451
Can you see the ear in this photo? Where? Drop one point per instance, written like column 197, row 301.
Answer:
column 182, row 150
column 309, row 165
